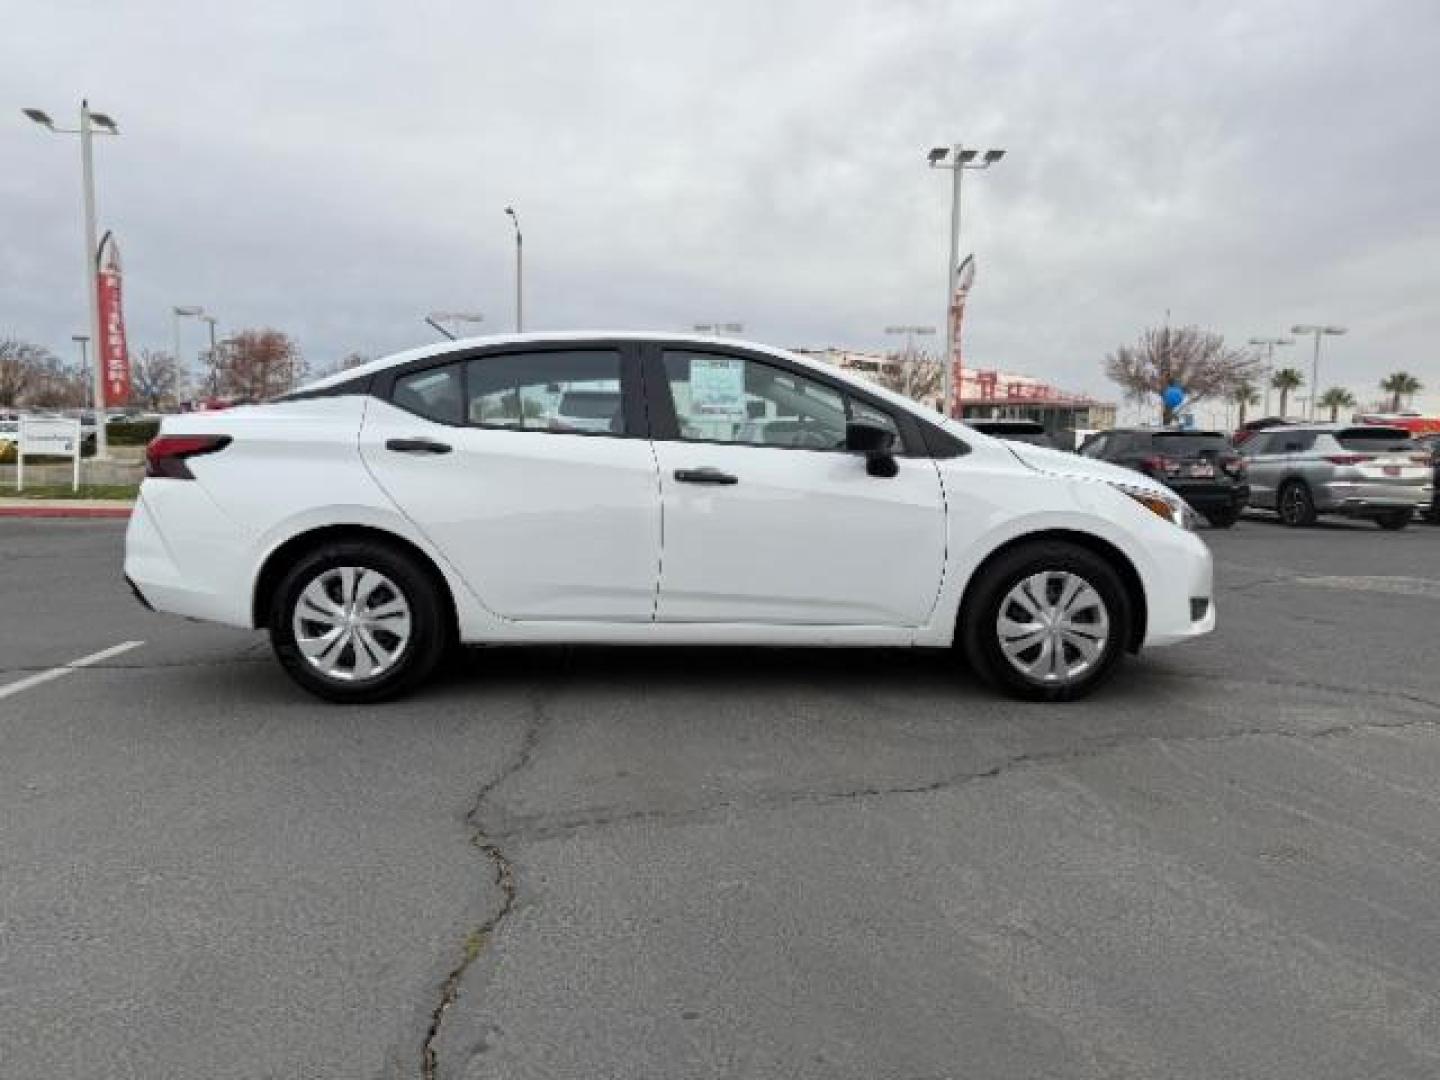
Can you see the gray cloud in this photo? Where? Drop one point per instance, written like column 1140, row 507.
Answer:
column 337, row 169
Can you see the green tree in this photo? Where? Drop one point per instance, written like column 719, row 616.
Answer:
column 1335, row 399
column 1285, row 380
column 1400, row 385
column 1244, row 394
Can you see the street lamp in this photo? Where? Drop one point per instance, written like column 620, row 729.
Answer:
column 89, row 122
column 1319, row 332
column 178, row 312
column 1270, row 343
column 519, row 271
column 909, row 361
column 435, row 318
column 958, row 160
column 211, row 320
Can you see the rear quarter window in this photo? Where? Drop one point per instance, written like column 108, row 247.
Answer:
column 1375, row 440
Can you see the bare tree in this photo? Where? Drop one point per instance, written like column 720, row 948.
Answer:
column 1198, row 361
column 259, row 364
column 919, row 378
column 20, row 367
column 154, row 379
column 57, row 385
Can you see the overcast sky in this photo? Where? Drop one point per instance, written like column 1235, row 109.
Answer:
column 336, row 170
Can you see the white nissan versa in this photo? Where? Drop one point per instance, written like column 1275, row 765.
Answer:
column 735, row 494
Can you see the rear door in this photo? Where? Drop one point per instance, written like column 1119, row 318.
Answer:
column 1265, row 465
column 546, row 518
column 767, row 518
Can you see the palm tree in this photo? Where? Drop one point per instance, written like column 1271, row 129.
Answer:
column 1400, row 385
column 1335, row 399
column 1285, row 380
column 1244, row 394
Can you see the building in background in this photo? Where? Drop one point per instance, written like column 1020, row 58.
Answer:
column 983, row 393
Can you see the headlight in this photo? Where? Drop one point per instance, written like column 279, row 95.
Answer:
column 1170, row 507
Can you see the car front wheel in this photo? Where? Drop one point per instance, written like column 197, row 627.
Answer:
column 358, row 621
column 1048, row 622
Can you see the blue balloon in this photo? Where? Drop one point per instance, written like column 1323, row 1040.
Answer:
column 1173, row 397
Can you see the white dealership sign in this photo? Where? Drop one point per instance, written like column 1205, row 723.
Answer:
column 48, row 436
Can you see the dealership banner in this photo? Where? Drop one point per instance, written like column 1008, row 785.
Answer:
column 114, row 358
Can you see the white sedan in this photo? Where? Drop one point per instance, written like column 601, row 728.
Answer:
column 735, row 494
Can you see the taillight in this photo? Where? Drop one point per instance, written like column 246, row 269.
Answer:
column 1424, row 459
column 1348, row 459
column 1160, row 465
column 166, row 455
column 1234, row 466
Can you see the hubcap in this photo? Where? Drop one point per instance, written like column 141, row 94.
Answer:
column 351, row 623
column 1294, row 504
column 1053, row 627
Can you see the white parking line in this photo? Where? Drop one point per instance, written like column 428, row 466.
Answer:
column 65, row 669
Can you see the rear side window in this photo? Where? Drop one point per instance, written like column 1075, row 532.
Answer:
column 435, row 393
column 574, row 391
column 1374, row 440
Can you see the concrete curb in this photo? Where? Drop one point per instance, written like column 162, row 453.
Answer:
column 59, row 508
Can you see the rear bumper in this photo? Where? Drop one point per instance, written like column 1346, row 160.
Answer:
column 1203, row 496
column 180, row 554
column 1361, row 498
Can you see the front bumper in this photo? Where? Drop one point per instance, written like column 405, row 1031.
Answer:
column 1210, row 496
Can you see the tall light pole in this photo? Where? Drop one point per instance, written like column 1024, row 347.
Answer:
column 1270, row 343
column 1319, row 332
column 178, row 312
column 519, row 271
column 211, row 359
column 90, row 122
column 910, row 332
column 958, row 160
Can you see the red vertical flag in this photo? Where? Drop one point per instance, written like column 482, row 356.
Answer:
column 113, row 355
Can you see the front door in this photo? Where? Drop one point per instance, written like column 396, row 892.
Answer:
column 767, row 519
column 527, row 469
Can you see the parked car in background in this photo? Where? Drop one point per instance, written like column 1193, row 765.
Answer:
column 379, row 515
column 1248, row 429
column 1030, row 432
column 1361, row 471
column 1202, row 467
column 1431, row 445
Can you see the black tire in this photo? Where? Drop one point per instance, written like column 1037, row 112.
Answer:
column 1223, row 519
column 980, row 637
column 1295, row 504
column 1395, row 520
column 430, row 627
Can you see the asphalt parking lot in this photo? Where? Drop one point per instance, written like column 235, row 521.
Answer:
column 685, row 863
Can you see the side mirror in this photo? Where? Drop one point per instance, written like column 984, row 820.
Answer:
column 876, row 443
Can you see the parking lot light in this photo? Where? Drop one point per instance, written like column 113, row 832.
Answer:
column 1318, row 331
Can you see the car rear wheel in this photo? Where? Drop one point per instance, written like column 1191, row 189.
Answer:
column 1396, row 519
column 1297, row 508
column 358, row 621
column 1049, row 622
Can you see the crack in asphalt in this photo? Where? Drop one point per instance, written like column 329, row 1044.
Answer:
column 478, row 938
column 539, row 828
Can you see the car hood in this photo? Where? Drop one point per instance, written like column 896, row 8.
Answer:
column 1059, row 463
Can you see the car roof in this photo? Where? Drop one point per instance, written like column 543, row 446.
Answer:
column 1007, row 423
column 1207, row 432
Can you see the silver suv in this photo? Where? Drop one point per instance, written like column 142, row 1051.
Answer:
column 1359, row 471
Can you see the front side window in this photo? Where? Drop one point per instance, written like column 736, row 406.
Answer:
column 564, row 391
column 733, row 399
